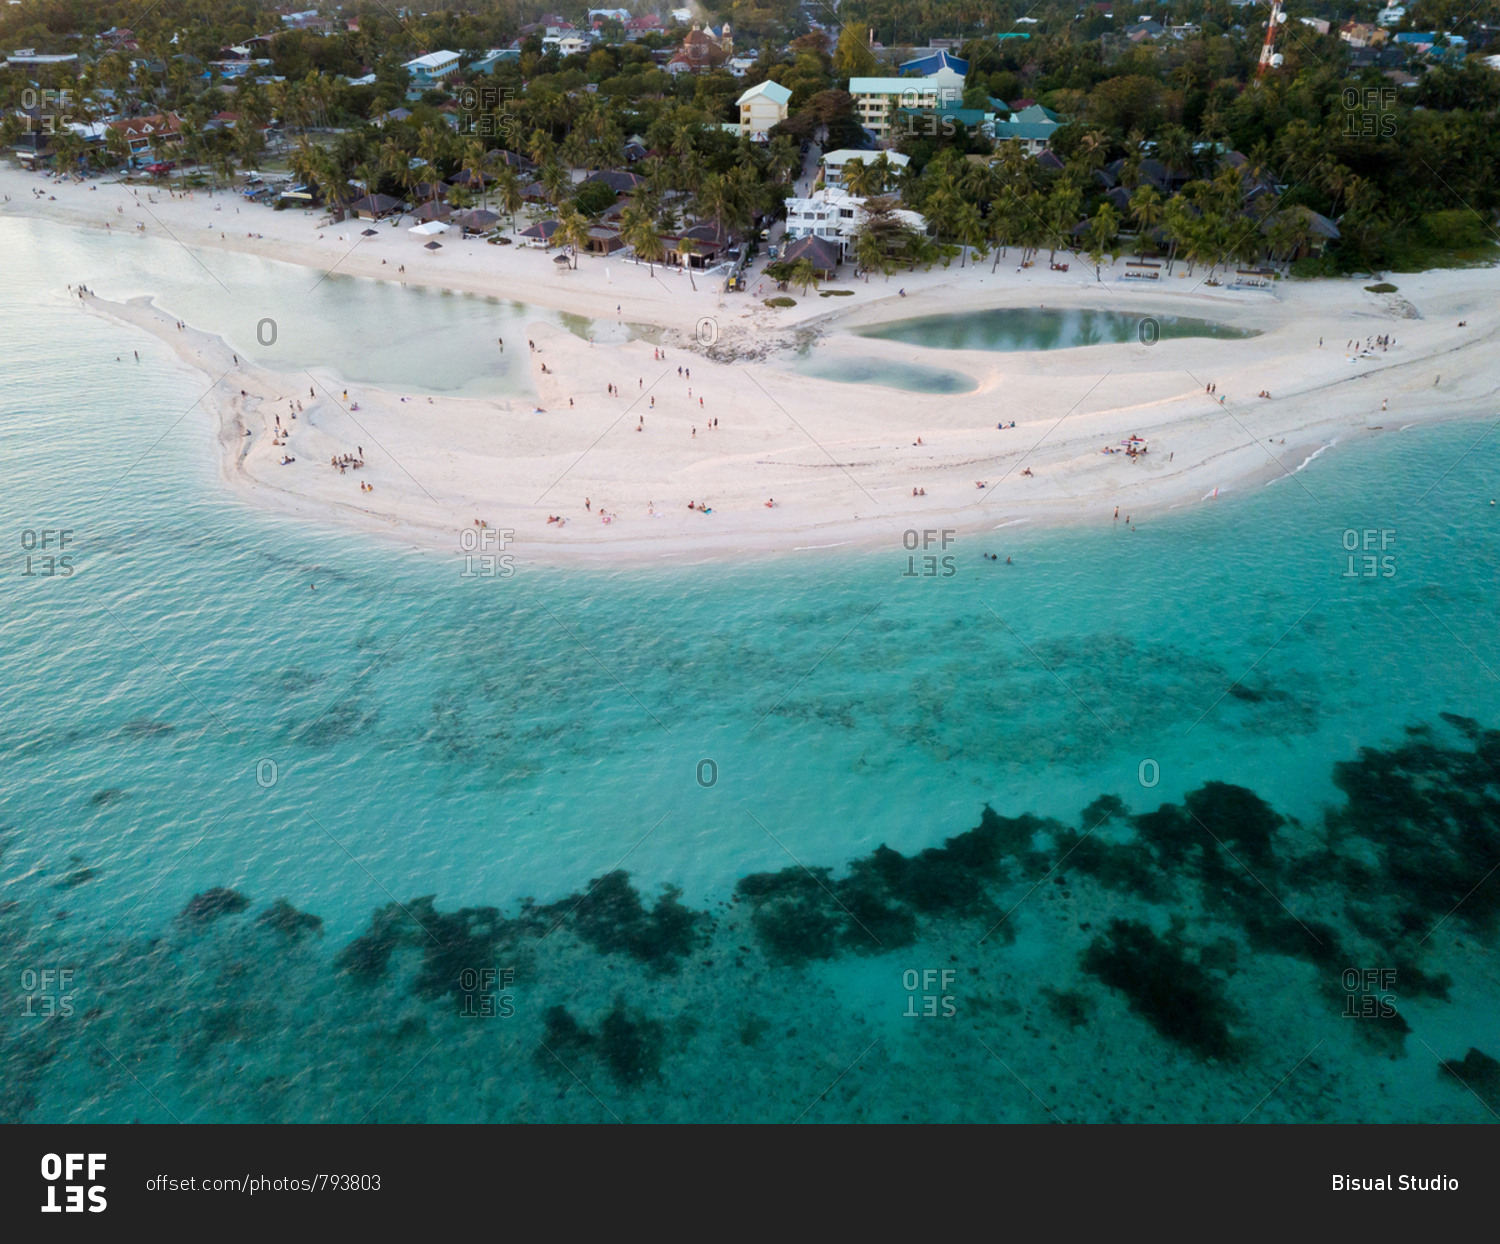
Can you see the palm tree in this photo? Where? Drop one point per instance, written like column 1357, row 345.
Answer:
column 557, row 181
column 968, row 228
column 1146, row 210
column 804, row 274
column 869, row 253
column 508, row 195
column 1062, row 214
column 715, row 199
column 862, row 178
column 473, row 165
column 687, row 248
column 639, row 231
column 1103, row 229
column 573, row 231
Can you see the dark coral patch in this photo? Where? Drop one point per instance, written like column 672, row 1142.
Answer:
column 1165, row 984
column 212, row 904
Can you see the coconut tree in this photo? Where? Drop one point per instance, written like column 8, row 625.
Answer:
column 639, row 231
column 687, row 248
column 869, row 253
column 1104, row 228
column 473, row 164
column 804, row 274
column 716, row 200
column 573, row 231
column 508, row 195
column 968, row 228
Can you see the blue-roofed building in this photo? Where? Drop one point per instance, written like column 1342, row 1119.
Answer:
column 932, row 62
column 495, row 56
column 1032, row 127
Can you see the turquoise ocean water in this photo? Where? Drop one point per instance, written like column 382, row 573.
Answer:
column 219, row 708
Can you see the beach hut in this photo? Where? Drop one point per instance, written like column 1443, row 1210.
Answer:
column 604, row 241
column 540, row 234
column 518, row 162
column 469, row 179
column 432, row 211
column 374, row 206
column 475, row 220
column 619, row 181
column 708, row 242
column 822, row 253
column 430, row 190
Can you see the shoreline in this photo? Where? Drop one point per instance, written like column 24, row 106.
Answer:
column 840, row 459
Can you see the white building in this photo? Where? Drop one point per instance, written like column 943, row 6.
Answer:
column 566, row 45
column 431, row 69
column 762, row 108
column 834, row 161
column 1391, row 15
column 836, row 216
column 876, row 99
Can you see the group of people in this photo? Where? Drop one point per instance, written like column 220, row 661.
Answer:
column 344, row 462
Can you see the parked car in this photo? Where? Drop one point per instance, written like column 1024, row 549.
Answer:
column 771, row 252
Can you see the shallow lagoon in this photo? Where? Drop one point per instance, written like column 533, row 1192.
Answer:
column 1005, row 329
column 893, row 374
column 191, row 733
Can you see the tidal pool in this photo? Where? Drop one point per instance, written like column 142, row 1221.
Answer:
column 1024, row 328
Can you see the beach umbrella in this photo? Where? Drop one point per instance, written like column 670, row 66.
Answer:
column 433, row 246
column 369, row 233
column 561, row 259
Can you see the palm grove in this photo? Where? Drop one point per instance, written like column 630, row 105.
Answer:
column 1143, row 164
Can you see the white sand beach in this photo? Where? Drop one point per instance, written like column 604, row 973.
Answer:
column 840, row 460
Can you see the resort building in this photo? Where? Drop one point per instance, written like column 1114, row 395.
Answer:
column 762, row 108
column 877, row 99
column 140, row 132
column 1032, row 127
column 835, row 216
column 834, row 161
column 431, row 69
column 933, row 61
